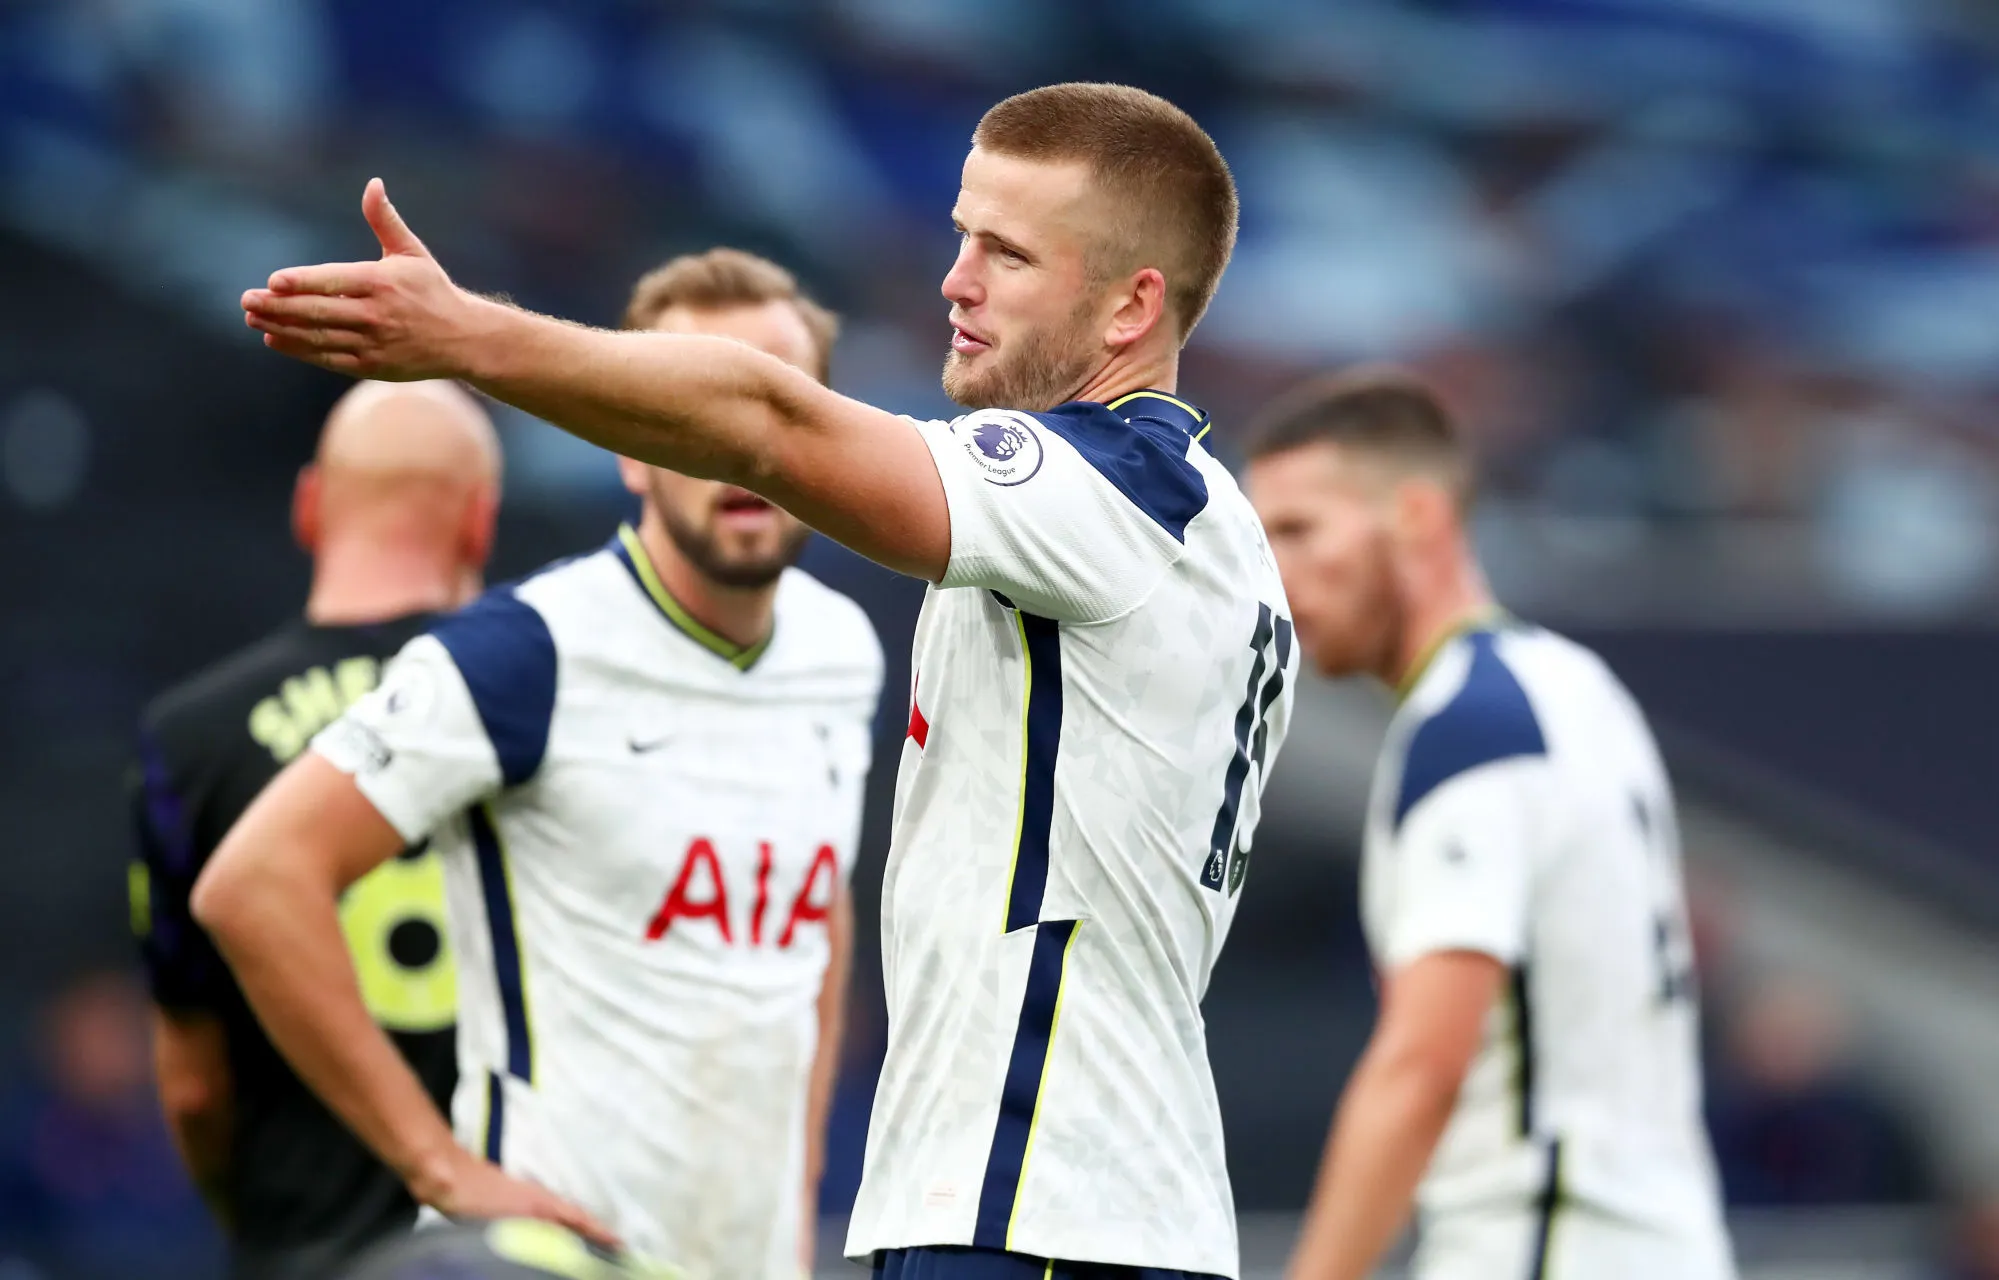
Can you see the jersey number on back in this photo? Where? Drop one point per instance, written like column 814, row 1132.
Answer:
column 1234, row 831
column 1672, row 941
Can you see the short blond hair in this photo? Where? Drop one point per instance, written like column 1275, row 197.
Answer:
column 1165, row 171
column 723, row 278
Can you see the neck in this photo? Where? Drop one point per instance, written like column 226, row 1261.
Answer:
column 740, row 615
column 1129, row 371
column 359, row 583
column 1459, row 600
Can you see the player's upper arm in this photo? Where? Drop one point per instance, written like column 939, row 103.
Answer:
column 460, row 714
column 311, row 824
column 1433, row 1013
column 859, row 475
column 1073, row 514
column 1463, row 864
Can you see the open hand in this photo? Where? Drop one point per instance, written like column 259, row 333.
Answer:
column 470, row 1187
column 398, row 319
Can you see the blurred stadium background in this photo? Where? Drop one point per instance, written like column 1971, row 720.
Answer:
column 1715, row 282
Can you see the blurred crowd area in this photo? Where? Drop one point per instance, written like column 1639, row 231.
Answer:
column 1711, row 279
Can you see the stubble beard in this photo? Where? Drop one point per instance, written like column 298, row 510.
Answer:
column 1044, row 370
column 703, row 550
column 1374, row 639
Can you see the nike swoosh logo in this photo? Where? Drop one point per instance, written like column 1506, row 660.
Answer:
column 641, row 748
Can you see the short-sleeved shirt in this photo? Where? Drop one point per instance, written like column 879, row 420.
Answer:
column 1521, row 811
column 303, row 1193
column 643, row 829
column 1102, row 680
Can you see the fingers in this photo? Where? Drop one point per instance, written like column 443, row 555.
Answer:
column 338, row 361
column 305, row 310
column 337, row 279
column 388, row 225
column 349, row 340
column 583, row 1224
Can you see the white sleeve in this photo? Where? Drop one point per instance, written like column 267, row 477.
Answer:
column 1462, row 864
column 1072, row 514
column 460, row 714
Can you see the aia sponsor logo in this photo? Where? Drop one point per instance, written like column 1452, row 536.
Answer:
column 701, row 892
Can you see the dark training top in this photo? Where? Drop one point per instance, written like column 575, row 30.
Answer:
column 303, row 1194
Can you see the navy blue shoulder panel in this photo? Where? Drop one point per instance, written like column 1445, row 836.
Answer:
column 1143, row 457
column 1488, row 719
column 503, row 650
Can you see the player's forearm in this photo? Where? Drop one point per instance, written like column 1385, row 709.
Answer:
column 279, row 928
column 832, row 1032
column 702, row 406
column 1389, row 1121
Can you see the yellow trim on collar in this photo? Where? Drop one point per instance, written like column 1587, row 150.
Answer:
column 1207, row 423
column 1121, row 401
column 736, row 655
column 1477, row 620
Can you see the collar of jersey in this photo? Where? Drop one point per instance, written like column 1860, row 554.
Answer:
column 1486, row 619
column 632, row 554
column 1164, row 408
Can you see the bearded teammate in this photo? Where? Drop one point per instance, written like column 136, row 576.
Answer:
column 397, row 512
column 1102, row 668
column 643, row 768
column 1535, row 1064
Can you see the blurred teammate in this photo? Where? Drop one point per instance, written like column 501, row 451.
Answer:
column 1536, row 1050
column 397, row 513
column 1101, row 672
column 643, row 768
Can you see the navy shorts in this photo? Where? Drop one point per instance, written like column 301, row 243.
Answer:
column 964, row 1262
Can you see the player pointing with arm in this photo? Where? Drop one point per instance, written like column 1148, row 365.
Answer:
column 1102, row 672
column 1534, row 1066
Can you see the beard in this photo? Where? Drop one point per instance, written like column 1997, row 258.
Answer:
column 1367, row 634
column 731, row 567
column 1043, row 369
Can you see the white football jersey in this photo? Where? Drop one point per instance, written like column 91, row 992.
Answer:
column 1521, row 810
column 642, row 827
column 1100, row 683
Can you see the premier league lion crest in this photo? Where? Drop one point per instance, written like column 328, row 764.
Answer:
column 1006, row 446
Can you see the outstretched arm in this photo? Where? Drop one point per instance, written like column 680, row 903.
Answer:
column 707, row 407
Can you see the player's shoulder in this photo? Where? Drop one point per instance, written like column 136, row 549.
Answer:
column 840, row 631
column 584, row 584
column 576, row 602
column 504, row 652
column 1558, row 671
column 1589, row 711
column 1144, row 458
column 221, row 686
column 1468, row 709
column 220, row 695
